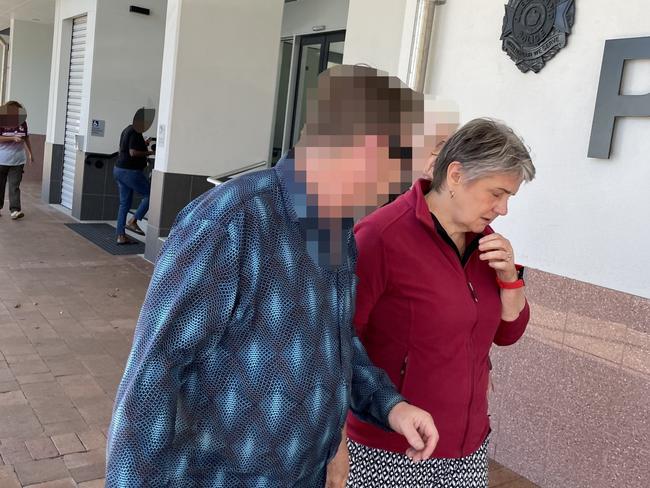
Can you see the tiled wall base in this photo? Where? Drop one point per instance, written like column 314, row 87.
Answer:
column 170, row 193
column 571, row 406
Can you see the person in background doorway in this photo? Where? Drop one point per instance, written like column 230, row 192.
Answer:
column 15, row 152
column 129, row 175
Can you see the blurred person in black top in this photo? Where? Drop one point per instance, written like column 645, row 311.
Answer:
column 128, row 173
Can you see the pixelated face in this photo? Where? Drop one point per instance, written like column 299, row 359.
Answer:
column 479, row 202
column 441, row 120
column 143, row 119
column 12, row 115
column 367, row 138
column 352, row 181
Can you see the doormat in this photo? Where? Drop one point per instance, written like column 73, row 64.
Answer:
column 103, row 235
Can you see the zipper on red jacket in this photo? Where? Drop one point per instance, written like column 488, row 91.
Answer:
column 472, row 291
column 471, row 396
column 470, row 348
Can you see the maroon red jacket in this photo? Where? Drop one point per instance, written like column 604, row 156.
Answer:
column 419, row 319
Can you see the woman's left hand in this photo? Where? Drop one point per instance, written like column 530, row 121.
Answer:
column 497, row 251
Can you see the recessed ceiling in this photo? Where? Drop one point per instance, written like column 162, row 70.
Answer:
column 30, row 10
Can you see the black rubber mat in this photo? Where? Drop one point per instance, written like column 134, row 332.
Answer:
column 103, row 235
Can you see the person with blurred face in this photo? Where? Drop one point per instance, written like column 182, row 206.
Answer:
column 129, row 175
column 244, row 360
column 437, row 287
column 15, row 152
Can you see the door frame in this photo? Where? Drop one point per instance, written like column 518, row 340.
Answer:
column 323, row 39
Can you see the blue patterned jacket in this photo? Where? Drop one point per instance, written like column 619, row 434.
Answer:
column 244, row 360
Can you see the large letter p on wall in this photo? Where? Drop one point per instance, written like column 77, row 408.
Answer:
column 610, row 104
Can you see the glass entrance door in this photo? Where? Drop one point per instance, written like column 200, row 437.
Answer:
column 284, row 82
column 317, row 53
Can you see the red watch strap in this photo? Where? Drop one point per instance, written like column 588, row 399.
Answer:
column 512, row 285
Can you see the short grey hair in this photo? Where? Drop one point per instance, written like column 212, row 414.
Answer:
column 484, row 147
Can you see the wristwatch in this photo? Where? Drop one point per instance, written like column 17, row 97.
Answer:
column 513, row 285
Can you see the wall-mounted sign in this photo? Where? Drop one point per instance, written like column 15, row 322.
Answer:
column 139, row 10
column 610, row 104
column 535, row 30
column 160, row 137
column 97, row 128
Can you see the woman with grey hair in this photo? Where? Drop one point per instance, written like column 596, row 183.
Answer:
column 437, row 287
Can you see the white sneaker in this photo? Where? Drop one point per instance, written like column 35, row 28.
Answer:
column 17, row 214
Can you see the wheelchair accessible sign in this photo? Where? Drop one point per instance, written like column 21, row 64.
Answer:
column 97, row 128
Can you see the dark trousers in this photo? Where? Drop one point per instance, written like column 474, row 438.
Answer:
column 12, row 175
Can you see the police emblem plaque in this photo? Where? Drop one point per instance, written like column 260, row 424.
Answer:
column 535, row 30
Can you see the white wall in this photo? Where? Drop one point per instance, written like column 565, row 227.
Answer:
column 122, row 67
column 28, row 71
column 374, row 33
column 4, row 53
column 300, row 16
column 65, row 10
column 127, row 67
column 218, row 85
column 582, row 218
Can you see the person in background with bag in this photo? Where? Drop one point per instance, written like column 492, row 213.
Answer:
column 129, row 175
column 15, row 152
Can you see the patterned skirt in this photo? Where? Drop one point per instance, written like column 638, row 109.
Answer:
column 375, row 468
